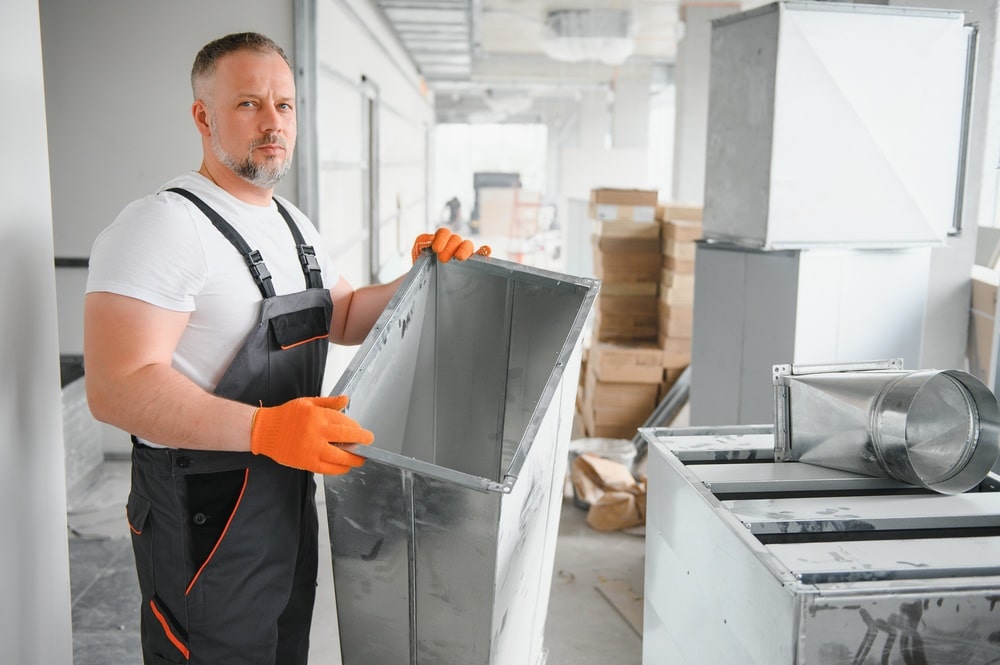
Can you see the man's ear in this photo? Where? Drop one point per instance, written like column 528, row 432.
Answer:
column 200, row 114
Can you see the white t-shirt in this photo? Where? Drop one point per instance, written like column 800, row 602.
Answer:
column 163, row 250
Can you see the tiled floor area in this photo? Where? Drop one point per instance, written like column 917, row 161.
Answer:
column 597, row 583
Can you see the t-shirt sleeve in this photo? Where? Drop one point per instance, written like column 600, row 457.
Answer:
column 151, row 252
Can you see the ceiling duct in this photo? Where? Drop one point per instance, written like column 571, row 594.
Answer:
column 595, row 35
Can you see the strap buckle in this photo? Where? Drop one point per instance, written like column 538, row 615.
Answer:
column 255, row 262
column 307, row 256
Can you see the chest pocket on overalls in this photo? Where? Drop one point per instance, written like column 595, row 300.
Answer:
column 300, row 327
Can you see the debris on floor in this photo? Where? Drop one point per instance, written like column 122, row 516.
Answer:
column 625, row 600
column 615, row 498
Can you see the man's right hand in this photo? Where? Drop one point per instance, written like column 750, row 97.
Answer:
column 300, row 434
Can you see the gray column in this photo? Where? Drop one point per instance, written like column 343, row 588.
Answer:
column 35, row 627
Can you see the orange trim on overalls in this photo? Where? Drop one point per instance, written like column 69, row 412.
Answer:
column 169, row 633
column 137, row 532
column 222, row 536
column 305, row 341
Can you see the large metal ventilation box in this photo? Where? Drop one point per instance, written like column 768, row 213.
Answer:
column 443, row 542
column 836, row 124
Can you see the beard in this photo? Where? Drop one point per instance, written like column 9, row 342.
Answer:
column 265, row 174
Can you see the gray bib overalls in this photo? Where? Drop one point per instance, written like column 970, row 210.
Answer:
column 226, row 543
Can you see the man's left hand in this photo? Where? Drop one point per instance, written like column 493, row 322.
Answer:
column 446, row 245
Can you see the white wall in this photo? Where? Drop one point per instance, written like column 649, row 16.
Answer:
column 357, row 57
column 118, row 99
column 35, row 623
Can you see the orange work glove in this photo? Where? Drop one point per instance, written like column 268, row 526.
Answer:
column 446, row 245
column 299, row 434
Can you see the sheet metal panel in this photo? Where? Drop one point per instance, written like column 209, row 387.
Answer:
column 867, row 513
column 443, row 541
column 786, row 478
column 859, row 560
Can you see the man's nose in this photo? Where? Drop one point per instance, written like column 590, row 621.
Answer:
column 271, row 120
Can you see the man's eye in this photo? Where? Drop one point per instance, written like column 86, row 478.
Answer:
column 285, row 107
column 246, row 103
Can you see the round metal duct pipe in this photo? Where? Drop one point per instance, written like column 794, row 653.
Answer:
column 937, row 429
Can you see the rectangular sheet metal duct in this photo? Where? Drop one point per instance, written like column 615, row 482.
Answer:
column 443, row 542
column 833, row 124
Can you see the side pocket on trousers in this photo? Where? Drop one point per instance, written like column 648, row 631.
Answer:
column 137, row 512
column 166, row 637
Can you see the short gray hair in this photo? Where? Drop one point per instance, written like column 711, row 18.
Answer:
column 208, row 56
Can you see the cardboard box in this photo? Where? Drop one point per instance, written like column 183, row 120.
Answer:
column 675, row 296
column 626, row 229
column 676, row 312
column 617, row 405
column 628, row 266
column 610, row 212
column 979, row 347
column 627, row 363
column 607, row 431
column 682, row 231
column 682, row 250
column 626, row 327
column 674, row 323
column 675, row 351
column 623, row 274
column 680, row 212
column 684, row 266
column 626, row 197
column 670, row 377
column 629, row 288
column 670, row 280
column 627, row 245
column 619, row 394
column 607, row 304
column 984, row 291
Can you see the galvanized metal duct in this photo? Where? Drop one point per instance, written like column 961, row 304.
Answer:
column 931, row 428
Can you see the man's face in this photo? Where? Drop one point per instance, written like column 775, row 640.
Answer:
column 252, row 116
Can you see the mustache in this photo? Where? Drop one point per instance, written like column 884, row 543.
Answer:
column 269, row 139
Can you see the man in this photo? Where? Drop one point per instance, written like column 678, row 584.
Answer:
column 209, row 309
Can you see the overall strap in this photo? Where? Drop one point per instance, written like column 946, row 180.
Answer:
column 307, row 255
column 255, row 262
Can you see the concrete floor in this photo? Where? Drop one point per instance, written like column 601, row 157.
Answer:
column 597, row 583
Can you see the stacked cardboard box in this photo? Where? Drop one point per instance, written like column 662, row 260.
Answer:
column 681, row 226
column 627, row 260
column 620, row 383
column 981, row 326
column 621, row 386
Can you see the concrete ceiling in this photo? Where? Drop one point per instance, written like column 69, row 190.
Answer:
column 486, row 60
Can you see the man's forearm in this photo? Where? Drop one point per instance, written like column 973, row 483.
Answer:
column 363, row 309
column 159, row 404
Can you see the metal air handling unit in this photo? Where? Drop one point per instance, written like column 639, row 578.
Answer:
column 750, row 560
column 443, row 542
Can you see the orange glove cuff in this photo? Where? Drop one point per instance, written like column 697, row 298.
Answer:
column 299, row 434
